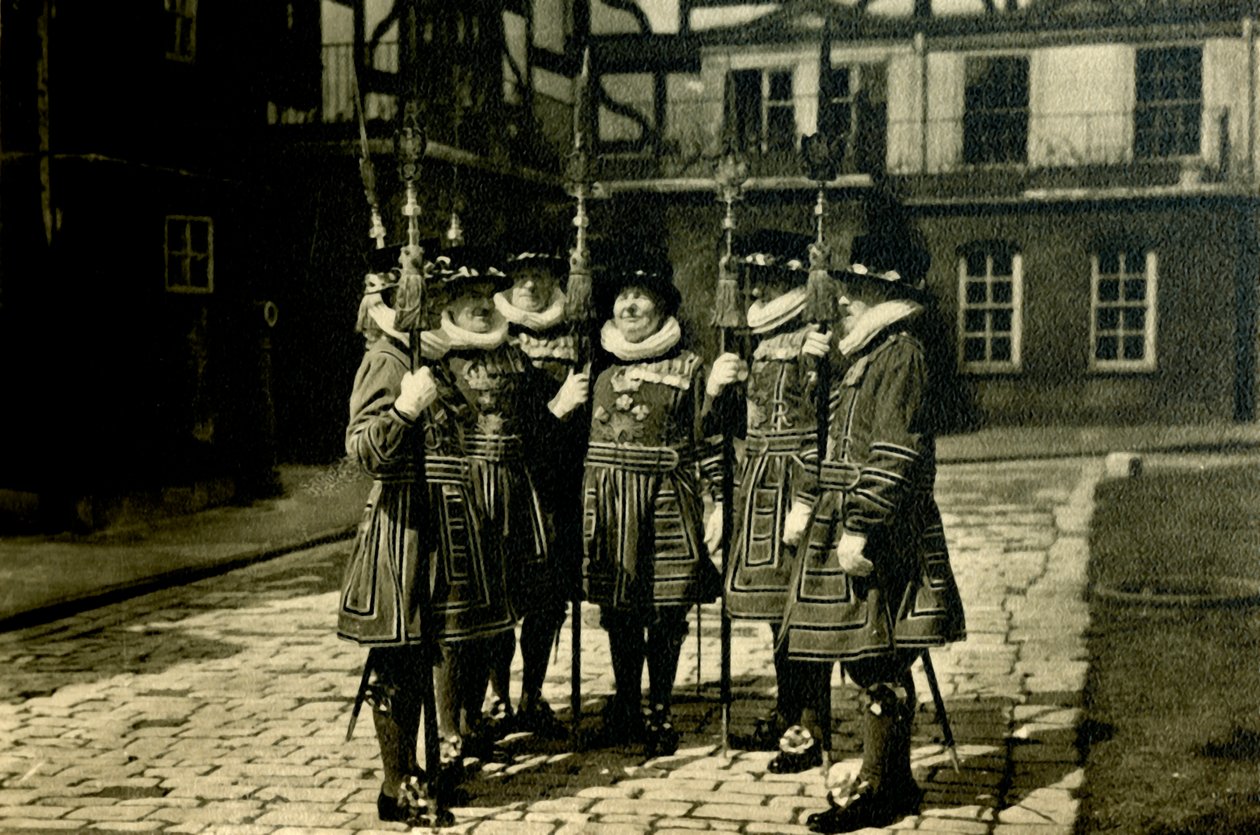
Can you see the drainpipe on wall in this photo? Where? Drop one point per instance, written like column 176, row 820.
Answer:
column 1249, row 36
column 920, row 48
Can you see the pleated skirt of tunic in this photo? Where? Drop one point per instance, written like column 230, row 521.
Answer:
column 760, row 570
column 643, row 534
column 381, row 591
column 911, row 601
column 514, row 536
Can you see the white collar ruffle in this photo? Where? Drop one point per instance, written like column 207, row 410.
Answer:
column 764, row 317
column 654, row 346
column 464, row 338
column 433, row 344
column 875, row 320
column 543, row 320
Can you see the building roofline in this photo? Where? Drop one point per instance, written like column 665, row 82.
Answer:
column 784, row 26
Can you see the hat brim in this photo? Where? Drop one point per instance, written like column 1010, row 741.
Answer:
column 896, row 287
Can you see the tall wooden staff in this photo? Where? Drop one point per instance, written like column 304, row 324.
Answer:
column 823, row 153
column 377, row 233
column 580, row 311
column 366, row 170
column 728, row 314
column 411, row 317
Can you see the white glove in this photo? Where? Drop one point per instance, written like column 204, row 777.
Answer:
column 418, row 391
column 794, row 524
column 713, row 529
column 816, row 344
column 849, row 555
column 573, row 392
column 727, row 369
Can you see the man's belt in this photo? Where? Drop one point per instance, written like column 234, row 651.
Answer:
column 838, row 475
column 637, row 459
column 780, row 443
column 493, row 447
column 445, row 469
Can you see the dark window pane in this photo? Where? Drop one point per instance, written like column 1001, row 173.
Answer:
column 1134, row 347
column 199, row 272
column 974, row 321
column 747, row 114
column 995, row 136
column 1135, row 319
column 1001, row 263
column 1108, row 318
column 175, row 236
column 780, row 86
column 840, row 82
column 976, row 292
column 1108, row 262
column 199, row 235
column 973, row 350
column 1134, row 261
column 1001, row 349
column 175, row 271
column 1001, row 320
column 977, row 264
column 781, row 129
column 1002, row 292
column 1105, row 348
column 1108, row 290
column 1135, row 289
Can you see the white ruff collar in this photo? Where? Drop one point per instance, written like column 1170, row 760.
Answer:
column 543, row 320
column 875, row 320
column 433, row 344
column 654, row 346
column 464, row 338
column 764, row 317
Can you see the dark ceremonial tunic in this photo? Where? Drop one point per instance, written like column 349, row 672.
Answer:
column 877, row 478
column 643, row 522
column 381, row 594
column 781, row 446
column 559, row 457
column 497, row 411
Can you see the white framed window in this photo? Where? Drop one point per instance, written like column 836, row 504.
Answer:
column 990, row 307
column 1122, row 309
column 181, row 29
column 189, row 254
column 765, row 111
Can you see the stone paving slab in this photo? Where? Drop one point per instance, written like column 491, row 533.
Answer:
column 220, row 706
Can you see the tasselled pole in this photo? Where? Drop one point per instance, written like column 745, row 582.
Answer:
column 822, row 154
column 412, row 318
column 730, row 177
column 580, row 312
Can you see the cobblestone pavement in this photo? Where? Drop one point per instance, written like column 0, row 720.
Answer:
column 221, row 706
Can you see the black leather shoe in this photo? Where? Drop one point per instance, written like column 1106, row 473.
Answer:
column 868, row 808
column 620, row 724
column 407, row 806
column 500, row 721
column 765, row 735
column 661, row 739
column 539, row 719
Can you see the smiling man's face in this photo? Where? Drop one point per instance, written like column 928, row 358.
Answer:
column 636, row 314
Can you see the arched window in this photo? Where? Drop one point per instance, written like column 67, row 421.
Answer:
column 990, row 307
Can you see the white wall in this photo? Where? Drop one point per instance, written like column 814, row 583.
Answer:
column 1080, row 100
